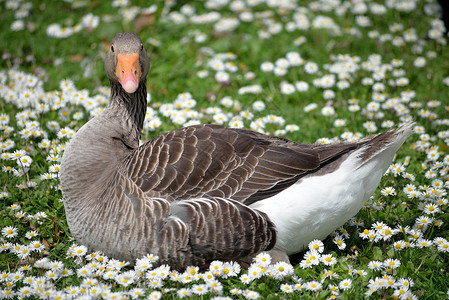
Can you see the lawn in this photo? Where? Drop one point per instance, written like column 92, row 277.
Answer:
column 310, row 71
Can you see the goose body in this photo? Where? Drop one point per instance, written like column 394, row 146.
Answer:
column 206, row 192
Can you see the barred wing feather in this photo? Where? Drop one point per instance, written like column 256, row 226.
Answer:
column 212, row 161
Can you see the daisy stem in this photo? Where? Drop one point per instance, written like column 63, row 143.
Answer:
column 422, row 261
column 6, row 182
column 369, row 216
column 57, row 186
column 25, row 180
column 430, row 231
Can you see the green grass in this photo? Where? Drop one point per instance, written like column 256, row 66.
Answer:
column 174, row 66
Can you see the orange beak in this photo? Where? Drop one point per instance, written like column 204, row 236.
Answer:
column 128, row 71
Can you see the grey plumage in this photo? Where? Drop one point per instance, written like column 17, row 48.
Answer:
column 185, row 195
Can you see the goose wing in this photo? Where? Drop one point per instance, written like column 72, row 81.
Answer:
column 213, row 161
column 216, row 229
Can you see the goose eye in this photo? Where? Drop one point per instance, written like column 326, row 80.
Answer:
column 112, row 48
column 141, row 47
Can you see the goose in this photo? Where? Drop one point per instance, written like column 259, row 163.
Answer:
column 206, row 192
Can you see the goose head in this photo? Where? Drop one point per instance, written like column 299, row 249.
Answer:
column 127, row 62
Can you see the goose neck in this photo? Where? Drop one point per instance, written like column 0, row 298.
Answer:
column 129, row 108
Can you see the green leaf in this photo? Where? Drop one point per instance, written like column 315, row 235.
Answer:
column 377, row 253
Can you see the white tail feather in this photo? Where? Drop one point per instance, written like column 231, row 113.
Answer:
column 316, row 205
